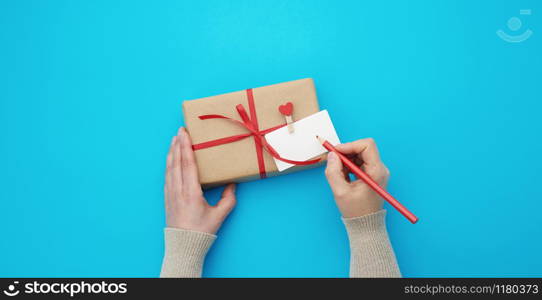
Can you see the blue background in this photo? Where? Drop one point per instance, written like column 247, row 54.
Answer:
column 91, row 95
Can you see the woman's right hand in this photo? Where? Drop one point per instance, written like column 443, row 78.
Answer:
column 355, row 198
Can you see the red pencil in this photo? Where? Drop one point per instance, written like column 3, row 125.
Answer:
column 369, row 181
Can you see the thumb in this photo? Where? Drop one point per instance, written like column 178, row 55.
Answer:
column 334, row 173
column 226, row 204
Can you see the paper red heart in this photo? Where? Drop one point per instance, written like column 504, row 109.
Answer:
column 286, row 109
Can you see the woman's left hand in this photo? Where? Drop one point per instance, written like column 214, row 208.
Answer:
column 186, row 208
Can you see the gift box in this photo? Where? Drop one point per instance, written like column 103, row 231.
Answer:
column 228, row 130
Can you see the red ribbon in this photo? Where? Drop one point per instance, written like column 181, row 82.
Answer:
column 251, row 124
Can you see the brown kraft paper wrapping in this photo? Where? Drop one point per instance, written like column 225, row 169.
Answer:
column 237, row 161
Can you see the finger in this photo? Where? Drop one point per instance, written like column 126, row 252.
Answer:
column 169, row 164
column 335, row 175
column 175, row 169
column 368, row 158
column 189, row 166
column 365, row 150
column 169, row 160
column 227, row 203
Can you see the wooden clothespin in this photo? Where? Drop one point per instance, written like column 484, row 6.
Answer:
column 287, row 110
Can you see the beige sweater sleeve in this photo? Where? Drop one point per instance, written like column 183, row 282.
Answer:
column 185, row 252
column 371, row 254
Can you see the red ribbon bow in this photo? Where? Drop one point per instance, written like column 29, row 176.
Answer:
column 251, row 124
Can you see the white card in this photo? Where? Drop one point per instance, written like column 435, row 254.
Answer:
column 302, row 144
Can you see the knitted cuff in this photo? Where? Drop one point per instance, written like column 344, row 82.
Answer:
column 370, row 223
column 185, row 252
column 371, row 253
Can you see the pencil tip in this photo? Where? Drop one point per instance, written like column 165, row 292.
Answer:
column 321, row 140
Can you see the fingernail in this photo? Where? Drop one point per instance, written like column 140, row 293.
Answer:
column 180, row 130
column 173, row 140
column 331, row 156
